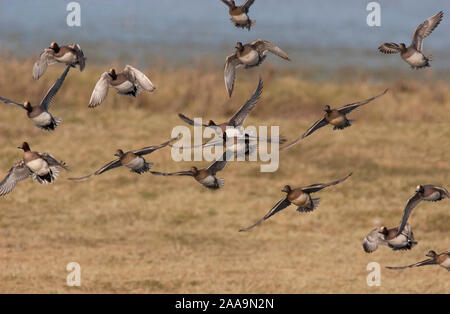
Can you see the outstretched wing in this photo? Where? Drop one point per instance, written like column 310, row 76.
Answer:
column 7, row 101
column 80, row 56
column 134, row 75
column 100, row 90
column 247, row 5
column 319, row 186
column 179, row 173
column 390, row 48
column 51, row 161
column 422, row 263
column 190, row 121
column 231, row 62
column 151, row 149
column 410, row 205
column 240, row 116
column 425, row 29
column 319, row 124
column 350, row 107
column 45, row 103
column 17, row 173
column 262, row 45
column 282, row 204
column 40, row 66
column 218, row 165
column 111, row 165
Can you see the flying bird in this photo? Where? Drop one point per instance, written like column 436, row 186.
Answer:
column 389, row 238
column 132, row 159
column 335, row 117
column 427, row 192
column 236, row 121
column 300, row 197
column 39, row 114
column 248, row 55
column 70, row 55
column 413, row 54
column 205, row 176
column 41, row 167
column 129, row 82
column 442, row 259
column 239, row 14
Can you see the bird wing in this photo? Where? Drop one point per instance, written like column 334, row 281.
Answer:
column 17, row 173
column 421, row 263
column 372, row 240
column 45, row 103
column 134, row 75
column 40, row 66
column 240, row 116
column 425, row 29
column 7, row 101
column 247, row 5
column 190, row 121
column 350, row 107
column 390, row 48
column 262, row 45
column 80, row 57
column 218, row 165
column 319, row 186
column 111, row 165
column 100, row 90
column 282, row 204
column 51, row 161
column 179, row 173
column 231, row 62
column 410, row 205
column 150, row 149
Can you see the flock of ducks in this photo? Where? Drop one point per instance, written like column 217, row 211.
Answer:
column 44, row 168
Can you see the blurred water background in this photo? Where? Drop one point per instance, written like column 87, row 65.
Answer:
column 323, row 36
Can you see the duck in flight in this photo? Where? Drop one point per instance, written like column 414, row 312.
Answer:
column 239, row 14
column 300, row 197
column 442, row 259
column 389, row 238
column 335, row 117
column 39, row 114
column 413, row 54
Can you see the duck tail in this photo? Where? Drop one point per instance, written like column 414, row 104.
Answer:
column 46, row 178
column 345, row 125
column 145, row 168
column 219, row 183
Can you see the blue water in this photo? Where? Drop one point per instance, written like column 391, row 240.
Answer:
column 313, row 32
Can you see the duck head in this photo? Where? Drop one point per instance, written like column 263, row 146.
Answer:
column 194, row 170
column 233, row 4
column 24, row 146
column 327, row 109
column 403, row 47
column 112, row 73
column 419, row 189
column 286, row 189
column 54, row 46
column 383, row 230
column 431, row 254
column 118, row 153
column 27, row 106
column 239, row 46
column 211, row 123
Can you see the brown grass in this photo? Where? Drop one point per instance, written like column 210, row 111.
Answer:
column 144, row 233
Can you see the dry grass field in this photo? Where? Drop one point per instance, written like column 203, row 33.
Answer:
column 148, row 234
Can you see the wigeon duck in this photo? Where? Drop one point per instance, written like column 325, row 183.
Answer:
column 236, row 121
column 132, row 159
column 425, row 192
column 413, row 54
column 335, row 117
column 389, row 237
column 70, row 55
column 129, row 82
column 442, row 259
column 300, row 197
column 39, row 114
column 248, row 55
column 205, row 176
column 41, row 167
column 239, row 14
